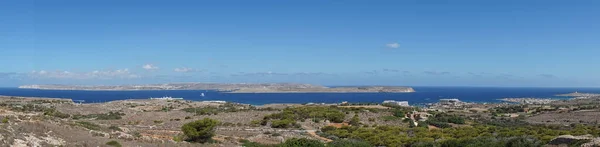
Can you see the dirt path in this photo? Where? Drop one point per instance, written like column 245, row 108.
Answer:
column 312, row 132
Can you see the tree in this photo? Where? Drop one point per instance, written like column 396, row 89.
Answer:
column 200, row 130
column 355, row 121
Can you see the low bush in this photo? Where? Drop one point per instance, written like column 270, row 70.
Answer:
column 89, row 125
column 113, row 143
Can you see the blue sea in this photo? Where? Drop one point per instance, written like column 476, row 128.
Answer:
column 423, row 95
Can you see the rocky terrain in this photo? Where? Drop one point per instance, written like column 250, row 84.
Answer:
column 234, row 88
column 60, row 122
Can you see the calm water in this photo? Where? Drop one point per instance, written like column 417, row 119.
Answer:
column 423, row 95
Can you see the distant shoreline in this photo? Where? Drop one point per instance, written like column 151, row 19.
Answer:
column 233, row 88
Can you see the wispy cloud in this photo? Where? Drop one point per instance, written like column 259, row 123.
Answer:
column 373, row 72
column 185, row 69
column 392, row 45
column 547, row 76
column 270, row 73
column 479, row 74
column 436, row 72
column 97, row 74
column 149, row 67
column 310, row 73
column 505, row 76
column 9, row 75
column 390, row 70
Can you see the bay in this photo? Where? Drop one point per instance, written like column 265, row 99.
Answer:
column 423, row 95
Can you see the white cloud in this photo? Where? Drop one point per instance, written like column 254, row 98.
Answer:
column 393, row 45
column 97, row 74
column 185, row 69
column 150, row 67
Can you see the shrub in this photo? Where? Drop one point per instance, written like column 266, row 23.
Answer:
column 178, row 138
column 333, row 114
column 136, row 134
column 89, row 125
column 355, row 121
column 285, row 123
column 200, row 130
column 187, row 117
column 53, row 112
column 389, row 118
column 116, row 128
column 301, row 142
column 158, row 121
column 5, row 120
column 104, row 116
column 399, row 113
column 348, row 143
column 247, row 143
column 113, row 143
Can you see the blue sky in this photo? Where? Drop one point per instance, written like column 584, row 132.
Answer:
column 416, row 43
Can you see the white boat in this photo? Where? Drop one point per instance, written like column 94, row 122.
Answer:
column 202, row 95
column 167, row 98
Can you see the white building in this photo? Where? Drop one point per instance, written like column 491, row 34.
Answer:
column 398, row 103
column 451, row 102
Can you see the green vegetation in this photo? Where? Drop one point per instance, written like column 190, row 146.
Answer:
column 355, row 121
column 200, row 130
column 301, row 142
column 136, row 134
column 115, row 128
column 284, row 123
column 113, row 143
column 246, row 143
column 104, row 116
column 371, row 119
column 399, row 113
column 509, row 109
column 227, row 107
column 442, row 120
column 288, row 117
column 50, row 101
column 48, row 111
column 389, row 118
column 157, row 121
column 476, row 135
column 88, row 125
column 53, row 112
column 28, row 108
column 275, row 134
column 5, row 120
column 178, row 138
column 348, row 143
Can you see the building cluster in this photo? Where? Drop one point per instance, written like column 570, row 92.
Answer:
column 449, row 103
column 396, row 103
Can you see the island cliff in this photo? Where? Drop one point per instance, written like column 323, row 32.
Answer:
column 235, row 88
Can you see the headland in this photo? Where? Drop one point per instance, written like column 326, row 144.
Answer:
column 234, row 88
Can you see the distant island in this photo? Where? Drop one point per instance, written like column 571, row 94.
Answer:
column 577, row 94
column 235, row 88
